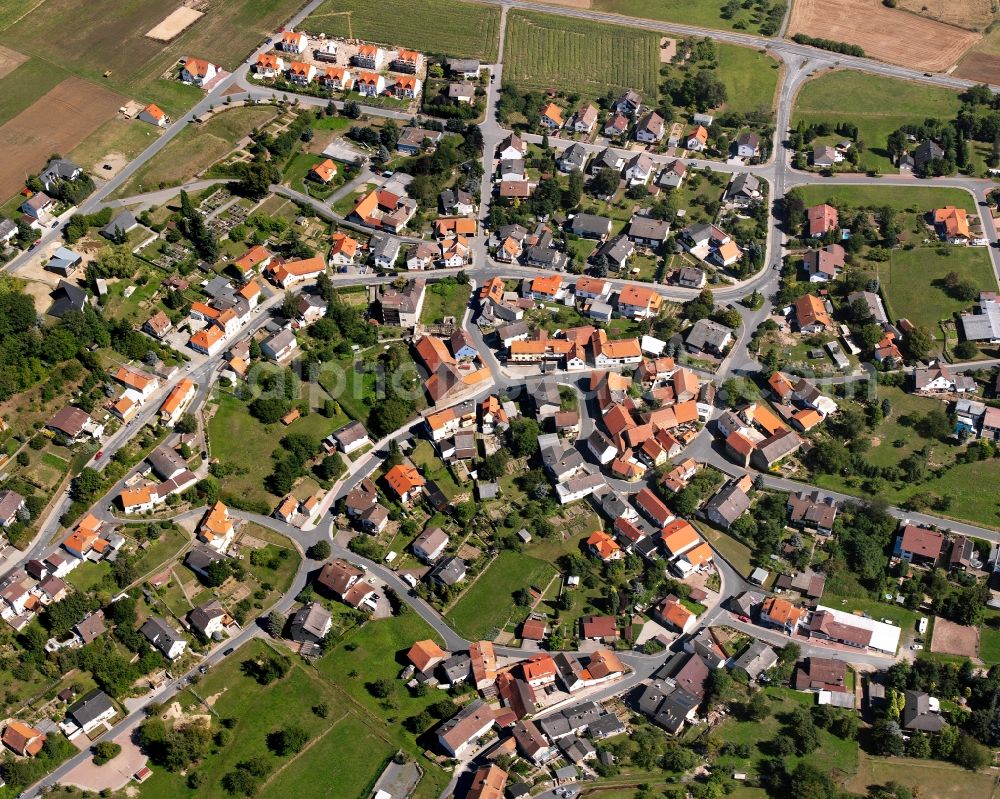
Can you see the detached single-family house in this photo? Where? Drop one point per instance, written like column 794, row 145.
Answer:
column 198, row 71
column 154, row 115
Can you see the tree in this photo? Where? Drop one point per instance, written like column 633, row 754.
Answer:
column 216, row 573
column 186, row 424
column 320, row 550
column 239, row 782
column 758, row 707
column 919, row 342
column 971, row 754
column 105, row 751
column 287, row 741
column 275, row 624
column 524, row 434
column 887, row 738
column 381, row 689
column 966, row 350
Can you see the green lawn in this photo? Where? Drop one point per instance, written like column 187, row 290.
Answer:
column 353, row 746
column 891, row 430
column 161, row 550
column 196, row 148
column 543, row 51
column 239, row 439
column 376, row 651
column 912, row 282
column 750, row 77
column 448, row 27
column 901, row 198
column 701, row 14
column 126, row 136
column 486, row 606
column 989, row 645
column 87, row 576
column 971, row 486
column 833, row 754
column 351, row 383
column 433, row 468
column 930, row 779
column 877, row 105
column 444, row 298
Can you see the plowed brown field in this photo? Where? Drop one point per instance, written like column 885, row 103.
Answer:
column 887, row 34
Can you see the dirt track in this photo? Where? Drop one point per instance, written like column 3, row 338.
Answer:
column 55, row 123
column 887, row 34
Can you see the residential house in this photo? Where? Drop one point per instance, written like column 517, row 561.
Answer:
column 551, row 117
column 672, row 175
column 589, row 226
column 210, row 619
column 405, row 481
column 369, row 56
column 164, row 637
column 727, row 505
column 344, row 582
column 756, row 659
column 939, row 379
column 921, row 712
column 90, row 712
column 198, row 71
column 639, row 302
column 573, row 157
column 430, row 544
column 821, row 219
column 747, row 145
column 812, row 511
column 628, row 103
column 639, row 169
column 811, row 314
column 584, row 119
column 782, row 614
column 952, row 224
column 825, row 156
column 310, row 624
column 279, row 346
column 697, row 139
column 708, row 336
column 920, row 545
column 458, row 735
column 269, row 65
column 351, row 437
column 23, row 739
column 743, row 190
column 650, row 128
column 824, row 264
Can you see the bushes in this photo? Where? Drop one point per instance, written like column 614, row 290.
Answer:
column 105, row 751
column 828, row 44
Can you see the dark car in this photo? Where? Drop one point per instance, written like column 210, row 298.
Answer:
column 229, row 651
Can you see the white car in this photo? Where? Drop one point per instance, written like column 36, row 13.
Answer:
column 410, row 580
column 916, row 647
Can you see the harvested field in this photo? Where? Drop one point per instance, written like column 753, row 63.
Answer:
column 175, row 22
column 972, row 15
column 55, row 123
column 10, row 60
column 980, row 67
column 955, row 639
column 887, row 34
